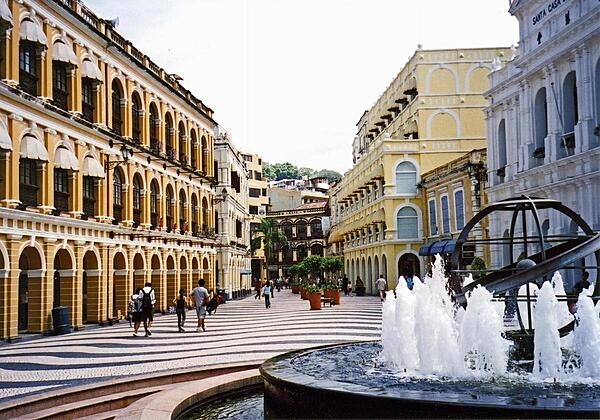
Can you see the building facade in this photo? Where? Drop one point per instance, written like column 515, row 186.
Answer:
column 303, row 229
column 429, row 115
column 543, row 121
column 258, row 202
column 232, row 218
column 106, row 165
column 454, row 193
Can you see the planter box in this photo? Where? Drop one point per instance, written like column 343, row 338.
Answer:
column 295, row 289
column 315, row 300
column 333, row 294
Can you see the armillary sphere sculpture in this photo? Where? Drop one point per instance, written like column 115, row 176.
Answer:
column 530, row 255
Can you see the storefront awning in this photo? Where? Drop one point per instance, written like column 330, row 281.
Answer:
column 5, row 14
column 31, row 31
column 65, row 159
column 5, row 140
column 90, row 70
column 93, row 168
column 438, row 247
column 33, row 148
column 62, row 52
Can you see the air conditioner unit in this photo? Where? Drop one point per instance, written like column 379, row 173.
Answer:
column 262, row 211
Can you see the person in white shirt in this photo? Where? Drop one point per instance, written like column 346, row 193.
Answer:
column 201, row 298
column 380, row 283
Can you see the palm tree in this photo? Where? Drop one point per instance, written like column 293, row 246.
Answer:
column 268, row 237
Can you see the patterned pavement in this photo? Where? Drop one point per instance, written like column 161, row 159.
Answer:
column 241, row 331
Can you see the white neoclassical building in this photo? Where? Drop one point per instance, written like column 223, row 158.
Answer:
column 232, row 218
column 543, row 121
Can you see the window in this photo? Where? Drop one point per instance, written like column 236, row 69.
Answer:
column 406, row 178
column 136, row 114
column 153, row 205
column 459, row 210
column 407, row 223
column 28, row 182
column 541, row 122
column 502, row 158
column 169, row 210
column 253, row 209
column 432, row 218
column 316, row 229
column 154, row 145
column 570, row 115
column 301, row 229
column 117, row 197
column 169, row 136
column 182, row 207
column 87, row 99
column 117, row 121
column 254, row 192
column 182, row 145
column 445, row 215
column 137, row 202
column 61, row 189
column 89, row 196
column 60, row 92
column 28, row 79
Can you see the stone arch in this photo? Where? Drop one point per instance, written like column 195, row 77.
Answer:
column 443, row 124
column 32, row 290
column 369, row 280
column 476, row 79
column 185, row 280
column 441, row 80
column 64, row 286
column 409, row 265
column 91, row 286
column 120, row 285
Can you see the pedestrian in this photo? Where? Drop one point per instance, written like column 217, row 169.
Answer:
column 257, row 286
column 180, row 305
column 345, row 284
column 266, row 292
column 579, row 287
column 135, row 311
column 148, row 299
column 201, row 298
column 380, row 283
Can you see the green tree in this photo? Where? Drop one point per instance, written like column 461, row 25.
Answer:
column 285, row 171
column 313, row 265
column 332, row 264
column 268, row 237
column 331, row 176
column 306, row 172
column 298, row 270
column 268, row 171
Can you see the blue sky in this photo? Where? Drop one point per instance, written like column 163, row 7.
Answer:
column 290, row 79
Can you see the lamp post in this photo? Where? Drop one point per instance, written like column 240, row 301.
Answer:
column 126, row 153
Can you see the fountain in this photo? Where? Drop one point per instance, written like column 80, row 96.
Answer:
column 501, row 345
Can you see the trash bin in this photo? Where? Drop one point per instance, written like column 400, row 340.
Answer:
column 223, row 294
column 60, row 320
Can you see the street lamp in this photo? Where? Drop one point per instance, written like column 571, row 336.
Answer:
column 126, row 153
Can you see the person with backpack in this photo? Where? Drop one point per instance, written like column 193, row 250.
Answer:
column 180, row 305
column 201, row 298
column 148, row 299
column 134, row 311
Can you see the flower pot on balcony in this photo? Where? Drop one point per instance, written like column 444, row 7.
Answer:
column 314, row 299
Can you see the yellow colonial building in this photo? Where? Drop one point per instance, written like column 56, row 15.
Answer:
column 106, row 164
column 431, row 114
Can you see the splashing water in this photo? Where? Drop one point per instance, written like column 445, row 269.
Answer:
column 424, row 334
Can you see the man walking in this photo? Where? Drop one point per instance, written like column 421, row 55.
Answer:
column 148, row 299
column 201, row 298
column 266, row 292
column 380, row 283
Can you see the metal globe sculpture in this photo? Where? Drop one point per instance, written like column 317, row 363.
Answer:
column 531, row 257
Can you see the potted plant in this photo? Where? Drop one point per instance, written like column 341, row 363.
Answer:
column 314, row 295
column 302, row 289
column 332, row 291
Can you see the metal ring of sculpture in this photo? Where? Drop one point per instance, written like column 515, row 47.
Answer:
column 546, row 254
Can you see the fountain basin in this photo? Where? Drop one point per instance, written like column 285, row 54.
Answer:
column 351, row 381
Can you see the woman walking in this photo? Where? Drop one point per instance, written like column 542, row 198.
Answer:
column 180, row 307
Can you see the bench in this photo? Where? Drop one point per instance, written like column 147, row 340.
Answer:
column 326, row 300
